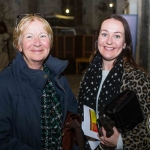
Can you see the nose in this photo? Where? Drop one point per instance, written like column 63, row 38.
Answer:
column 37, row 42
column 109, row 40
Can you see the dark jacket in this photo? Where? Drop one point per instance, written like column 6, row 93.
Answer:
column 20, row 102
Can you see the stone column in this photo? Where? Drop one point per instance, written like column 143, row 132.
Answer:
column 144, row 50
column 139, row 11
column 120, row 6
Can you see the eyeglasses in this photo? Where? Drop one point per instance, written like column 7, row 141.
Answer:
column 19, row 17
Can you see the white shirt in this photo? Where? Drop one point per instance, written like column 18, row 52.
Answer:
column 104, row 75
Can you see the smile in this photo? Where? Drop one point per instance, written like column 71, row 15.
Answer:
column 109, row 48
column 37, row 50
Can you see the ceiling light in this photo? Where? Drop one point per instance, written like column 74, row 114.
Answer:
column 111, row 5
column 67, row 11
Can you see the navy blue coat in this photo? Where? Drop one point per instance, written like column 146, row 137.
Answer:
column 20, row 102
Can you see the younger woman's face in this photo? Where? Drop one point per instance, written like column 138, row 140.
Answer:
column 111, row 39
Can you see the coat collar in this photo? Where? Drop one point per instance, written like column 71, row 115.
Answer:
column 55, row 65
column 21, row 69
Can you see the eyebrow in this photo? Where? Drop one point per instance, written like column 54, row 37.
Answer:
column 39, row 33
column 114, row 32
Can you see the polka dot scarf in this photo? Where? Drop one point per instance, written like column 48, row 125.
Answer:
column 91, row 81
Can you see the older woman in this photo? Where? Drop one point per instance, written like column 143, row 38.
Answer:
column 34, row 93
column 111, row 71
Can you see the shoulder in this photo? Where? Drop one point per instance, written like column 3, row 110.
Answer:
column 134, row 74
column 6, row 75
column 55, row 65
column 8, row 81
column 136, row 80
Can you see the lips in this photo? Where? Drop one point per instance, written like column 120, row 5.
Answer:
column 37, row 50
column 109, row 48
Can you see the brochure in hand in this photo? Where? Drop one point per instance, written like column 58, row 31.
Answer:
column 90, row 127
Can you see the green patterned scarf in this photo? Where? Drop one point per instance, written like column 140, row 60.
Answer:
column 51, row 118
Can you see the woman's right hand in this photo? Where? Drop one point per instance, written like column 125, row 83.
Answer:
column 112, row 140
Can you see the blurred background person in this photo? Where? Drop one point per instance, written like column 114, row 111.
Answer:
column 4, row 47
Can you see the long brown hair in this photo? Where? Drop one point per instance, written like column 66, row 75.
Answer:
column 127, row 51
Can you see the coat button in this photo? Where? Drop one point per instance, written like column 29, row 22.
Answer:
column 45, row 76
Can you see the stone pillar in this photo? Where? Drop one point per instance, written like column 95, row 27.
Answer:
column 49, row 6
column 87, row 15
column 94, row 11
column 144, row 50
column 120, row 6
column 139, row 11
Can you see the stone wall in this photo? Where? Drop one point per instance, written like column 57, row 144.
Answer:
column 11, row 8
column 93, row 12
column 87, row 14
column 49, row 6
column 121, row 4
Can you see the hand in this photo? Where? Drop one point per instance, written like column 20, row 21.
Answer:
column 108, row 125
column 111, row 141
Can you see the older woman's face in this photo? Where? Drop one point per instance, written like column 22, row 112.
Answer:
column 111, row 39
column 34, row 44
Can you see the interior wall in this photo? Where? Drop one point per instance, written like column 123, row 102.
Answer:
column 120, row 6
column 11, row 8
column 49, row 6
column 93, row 13
column 87, row 14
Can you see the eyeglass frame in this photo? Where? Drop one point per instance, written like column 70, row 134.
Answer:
column 19, row 17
